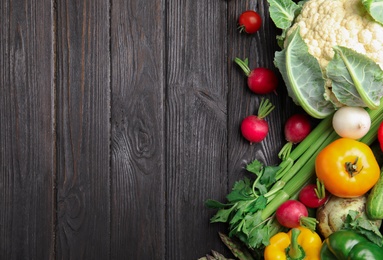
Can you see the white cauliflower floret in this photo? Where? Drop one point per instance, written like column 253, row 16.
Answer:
column 324, row 24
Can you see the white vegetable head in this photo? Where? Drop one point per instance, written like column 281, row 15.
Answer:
column 351, row 122
column 325, row 24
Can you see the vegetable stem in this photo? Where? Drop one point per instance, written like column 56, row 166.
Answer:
column 244, row 64
column 265, row 108
column 295, row 251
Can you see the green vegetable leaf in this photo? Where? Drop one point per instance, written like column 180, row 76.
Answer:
column 283, row 13
column 213, row 204
column 269, row 175
column 242, row 191
column 222, row 215
column 259, row 204
column 375, row 9
column 303, row 77
column 356, row 79
column 255, row 167
column 363, row 226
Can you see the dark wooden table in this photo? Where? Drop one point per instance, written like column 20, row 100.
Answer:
column 119, row 118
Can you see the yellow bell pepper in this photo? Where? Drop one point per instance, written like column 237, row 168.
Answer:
column 298, row 243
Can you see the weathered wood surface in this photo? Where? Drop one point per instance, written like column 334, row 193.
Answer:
column 118, row 119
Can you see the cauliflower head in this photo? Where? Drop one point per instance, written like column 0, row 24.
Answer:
column 324, row 24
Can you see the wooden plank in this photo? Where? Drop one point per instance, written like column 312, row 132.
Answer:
column 83, row 129
column 138, row 140
column 196, row 129
column 27, row 156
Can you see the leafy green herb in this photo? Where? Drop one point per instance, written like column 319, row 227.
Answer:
column 363, row 226
column 243, row 210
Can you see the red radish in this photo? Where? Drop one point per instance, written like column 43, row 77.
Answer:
column 293, row 213
column 260, row 80
column 313, row 195
column 380, row 135
column 255, row 128
column 297, row 127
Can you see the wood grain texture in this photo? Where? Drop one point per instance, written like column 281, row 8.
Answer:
column 196, row 129
column 138, row 121
column 27, row 153
column 83, row 129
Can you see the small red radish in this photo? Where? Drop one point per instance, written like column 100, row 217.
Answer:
column 293, row 213
column 313, row 195
column 255, row 128
column 297, row 127
column 260, row 80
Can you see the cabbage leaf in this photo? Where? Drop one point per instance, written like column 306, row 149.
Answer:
column 283, row 13
column 356, row 79
column 303, row 77
column 375, row 9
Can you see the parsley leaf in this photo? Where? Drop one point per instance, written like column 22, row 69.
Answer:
column 363, row 226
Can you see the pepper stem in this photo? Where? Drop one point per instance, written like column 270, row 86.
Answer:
column 295, row 251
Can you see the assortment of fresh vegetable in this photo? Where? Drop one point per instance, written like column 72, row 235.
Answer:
column 330, row 185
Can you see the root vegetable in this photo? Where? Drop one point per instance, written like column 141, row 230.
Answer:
column 255, row 128
column 292, row 214
column 351, row 122
column 332, row 215
column 313, row 195
column 297, row 127
column 380, row 135
column 259, row 80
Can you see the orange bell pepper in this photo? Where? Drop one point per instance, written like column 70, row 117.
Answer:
column 298, row 243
